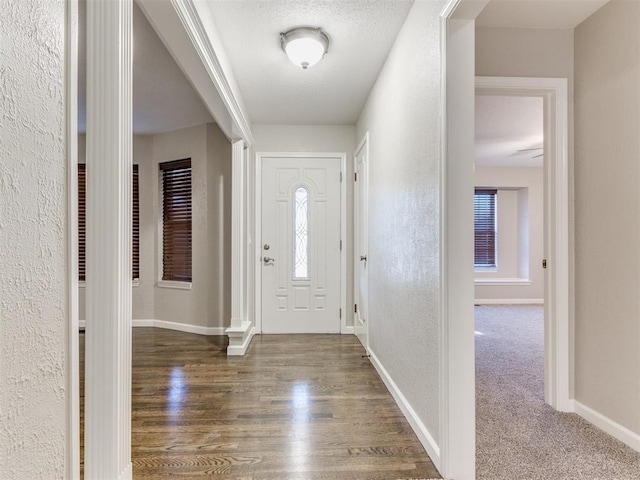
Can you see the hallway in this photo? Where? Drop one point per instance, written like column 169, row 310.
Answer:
column 295, row 407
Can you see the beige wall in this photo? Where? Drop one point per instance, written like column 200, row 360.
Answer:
column 207, row 303
column 402, row 115
column 607, row 216
column 219, row 226
column 142, row 294
column 316, row 138
column 520, row 233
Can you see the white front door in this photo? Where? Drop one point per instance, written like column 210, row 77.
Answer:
column 301, row 245
column 361, row 250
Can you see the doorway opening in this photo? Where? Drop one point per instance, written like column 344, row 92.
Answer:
column 555, row 244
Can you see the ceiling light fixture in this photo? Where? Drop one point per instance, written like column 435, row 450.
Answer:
column 305, row 46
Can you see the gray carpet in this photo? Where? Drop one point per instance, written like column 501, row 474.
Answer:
column 518, row 436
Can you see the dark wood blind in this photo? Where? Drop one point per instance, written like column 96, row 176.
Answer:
column 485, row 227
column 135, row 226
column 82, row 219
column 176, row 220
column 82, row 222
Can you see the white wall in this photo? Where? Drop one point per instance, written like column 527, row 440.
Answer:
column 316, row 138
column 402, row 115
column 520, row 235
column 607, row 216
column 33, row 242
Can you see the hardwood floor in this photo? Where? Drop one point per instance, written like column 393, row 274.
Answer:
column 301, row 407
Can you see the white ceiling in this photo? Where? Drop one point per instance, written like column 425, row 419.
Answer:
column 163, row 98
column 331, row 92
column 505, row 125
column 537, row 13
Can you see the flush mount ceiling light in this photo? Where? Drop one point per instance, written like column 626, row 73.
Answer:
column 305, row 46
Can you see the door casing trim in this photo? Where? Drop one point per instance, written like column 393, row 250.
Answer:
column 364, row 143
column 342, row 156
column 554, row 93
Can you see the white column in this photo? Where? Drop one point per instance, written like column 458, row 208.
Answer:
column 107, row 445
column 240, row 331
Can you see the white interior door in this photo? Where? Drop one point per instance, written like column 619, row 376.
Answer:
column 301, row 245
column 361, row 253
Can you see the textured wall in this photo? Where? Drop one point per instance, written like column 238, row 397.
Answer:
column 607, row 345
column 402, row 115
column 33, row 308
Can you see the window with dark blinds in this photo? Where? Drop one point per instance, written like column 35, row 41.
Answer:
column 176, row 220
column 485, row 227
column 135, row 226
column 82, row 219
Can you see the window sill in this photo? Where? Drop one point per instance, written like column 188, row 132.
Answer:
column 485, row 269
column 503, row 281
column 135, row 283
column 173, row 284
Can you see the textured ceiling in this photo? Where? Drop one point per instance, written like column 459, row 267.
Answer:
column 333, row 91
column 163, row 98
column 537, row 13
column 506, row 124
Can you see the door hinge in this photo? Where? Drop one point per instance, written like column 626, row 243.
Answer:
column 355, row 308
column 340, row 245
column 340, row 177
column 355, row 176
column 340, row 314
column 544, row 263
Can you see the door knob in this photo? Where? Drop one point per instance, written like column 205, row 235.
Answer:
column 363, row 258
column 268, row 260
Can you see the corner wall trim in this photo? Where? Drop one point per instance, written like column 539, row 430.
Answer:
column 614, row 429
column 509, row 301
column 181, row 327
column 427, row 441
column 239, row 350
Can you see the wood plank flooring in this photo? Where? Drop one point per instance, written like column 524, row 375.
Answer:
column 303, row 407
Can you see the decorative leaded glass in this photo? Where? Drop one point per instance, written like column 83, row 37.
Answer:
column 301, row 236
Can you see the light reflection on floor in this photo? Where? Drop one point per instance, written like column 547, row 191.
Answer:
column 301, row 403
column 177, row 392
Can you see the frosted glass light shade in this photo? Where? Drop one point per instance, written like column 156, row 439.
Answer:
column 305, row 46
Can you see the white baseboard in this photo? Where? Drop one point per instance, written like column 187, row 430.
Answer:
column 127, row 473
column 614, row 429
column 348, row 330
column 509, row 301
column 181, row 327
column 429, row 444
